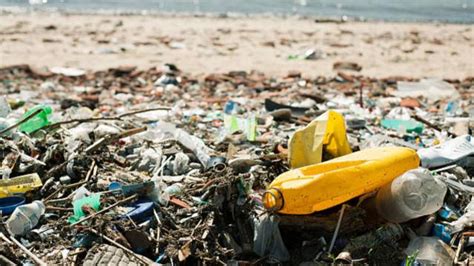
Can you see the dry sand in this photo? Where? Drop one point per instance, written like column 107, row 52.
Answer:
column 207, row 45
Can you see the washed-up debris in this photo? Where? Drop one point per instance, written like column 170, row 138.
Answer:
column 9, row 204
column 414, row 194
column 325, row 185
column 447, row 153
column 130, row 166
column 326, row 135
column 24, row 218
column 310, row 54
column 432, row 89
column 19, row 184
column 68, row 71
column 347, row 66
column 429, row 251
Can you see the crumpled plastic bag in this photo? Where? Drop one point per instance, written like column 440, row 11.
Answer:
column 93, row 201
column 326, row 135
column 268, row 241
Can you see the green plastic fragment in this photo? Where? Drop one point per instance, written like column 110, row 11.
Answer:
column 247, row 125
column 93, row 201
column 398, row 124
column 38, row 121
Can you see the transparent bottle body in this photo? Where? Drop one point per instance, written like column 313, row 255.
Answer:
column 25, row 218
column 413, row 194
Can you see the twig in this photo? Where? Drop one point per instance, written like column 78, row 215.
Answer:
column 2, row 236
column 162, row 166
column 146, row 260
column 54, row 208
column 336, row 231
column 88, row 175
column 429, row 124
column 145, row 110
column 108, row 139
column 92, row 170
column 80, row 183
column 21, row 121
column 130, row 132
column 459, row 249
column 95, row 145
column 119, row 117
column 104, row 210
column 29, row 253
column 444, row 168
column 77, row 252
column 158, row 232
column 64, row 187
column 194, row 229
column 58, row 200
column 131, row 220
column 46, row 200
column 82, row 120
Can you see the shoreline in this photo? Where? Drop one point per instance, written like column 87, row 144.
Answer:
column 32, row 10
column 212, row 44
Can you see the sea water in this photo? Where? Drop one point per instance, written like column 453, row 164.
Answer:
column 458, row 11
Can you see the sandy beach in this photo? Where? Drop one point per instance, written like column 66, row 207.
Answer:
column 282, row 140
column 271, row 45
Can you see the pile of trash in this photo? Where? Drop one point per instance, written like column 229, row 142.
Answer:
column 141, row 167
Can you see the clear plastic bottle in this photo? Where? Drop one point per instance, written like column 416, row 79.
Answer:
column 430, row 251
column 25, row 218
column 413, row 194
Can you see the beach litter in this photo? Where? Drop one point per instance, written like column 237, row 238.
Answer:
column 141, row 167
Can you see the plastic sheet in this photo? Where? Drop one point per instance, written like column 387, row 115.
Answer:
column 323, row 137
column 268, row 241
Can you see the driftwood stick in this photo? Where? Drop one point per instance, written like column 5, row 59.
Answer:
column 2, row 236
column 119, row 117
column 429, row 124
column 29, row 253
column 158, row 232
column 88, row 175
column 107, row 139
column 54, row 208
column 64, row 187
column 92, row 170
column 336, row 231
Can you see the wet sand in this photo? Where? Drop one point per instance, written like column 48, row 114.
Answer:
column 211, row 44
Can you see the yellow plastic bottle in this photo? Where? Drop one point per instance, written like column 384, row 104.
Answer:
column 19, row 185
column 321, row 186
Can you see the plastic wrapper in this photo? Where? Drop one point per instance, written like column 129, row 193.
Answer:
column 268, row 241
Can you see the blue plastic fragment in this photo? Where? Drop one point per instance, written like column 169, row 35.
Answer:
column 142, row 210
column 440, row 231
column 9, row 204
